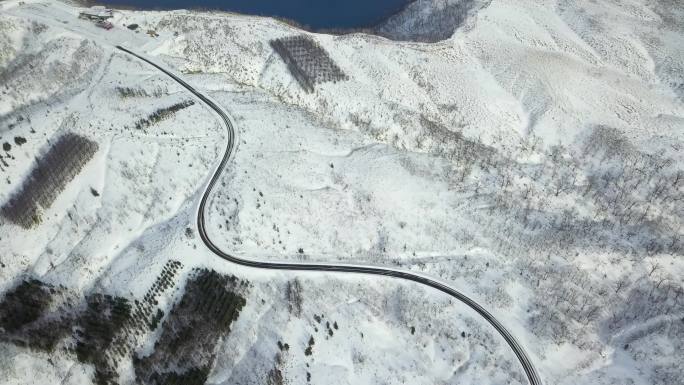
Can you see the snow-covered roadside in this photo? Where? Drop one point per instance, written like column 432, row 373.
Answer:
column 536, row 259
column 116, row 231
column 522, row 235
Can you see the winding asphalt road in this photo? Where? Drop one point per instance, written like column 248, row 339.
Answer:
column 528, row 367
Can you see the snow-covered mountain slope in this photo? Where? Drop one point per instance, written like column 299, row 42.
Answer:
column 533, row 159
column 430, row 20
column 130, row 184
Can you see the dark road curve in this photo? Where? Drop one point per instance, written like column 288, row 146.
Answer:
column 530, row 371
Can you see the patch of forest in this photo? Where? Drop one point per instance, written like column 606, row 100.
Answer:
column 104, row 330
column 186, row 349
column 52, row 172
column 307, row 61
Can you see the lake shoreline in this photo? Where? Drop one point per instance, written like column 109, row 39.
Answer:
column 373, row 29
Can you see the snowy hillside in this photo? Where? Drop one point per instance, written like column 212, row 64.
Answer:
column 530, row 155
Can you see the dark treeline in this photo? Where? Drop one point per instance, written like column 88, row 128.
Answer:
column 50, row 175
column 308, row 62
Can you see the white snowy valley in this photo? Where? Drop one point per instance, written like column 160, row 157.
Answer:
column 528, row 154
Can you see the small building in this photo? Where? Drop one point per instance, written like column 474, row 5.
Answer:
column 96, row 13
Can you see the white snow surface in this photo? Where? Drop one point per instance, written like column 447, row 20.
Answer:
column 502, row 160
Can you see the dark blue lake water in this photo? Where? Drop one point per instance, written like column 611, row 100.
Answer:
column 316, row 14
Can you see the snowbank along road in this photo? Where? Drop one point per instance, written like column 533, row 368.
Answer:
column 528, row 367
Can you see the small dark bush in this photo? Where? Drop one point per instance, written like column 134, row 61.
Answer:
column 309, row 349
column 155, row 320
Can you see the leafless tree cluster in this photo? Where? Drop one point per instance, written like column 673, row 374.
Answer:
column 603, row 192
column 573, row 305
column 50, row 175
column 162, row 113
column 428, row 20
column 650, row 306
column 129, row 92
column 570, row 305
column 466, row 154
column 308, row 62
column 631, row 187
column 653, row 295
column 186, row 349
column 294, row 297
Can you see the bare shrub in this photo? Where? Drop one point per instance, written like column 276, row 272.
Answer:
column 629, row 186
column 648, row 298
column 571, row 304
